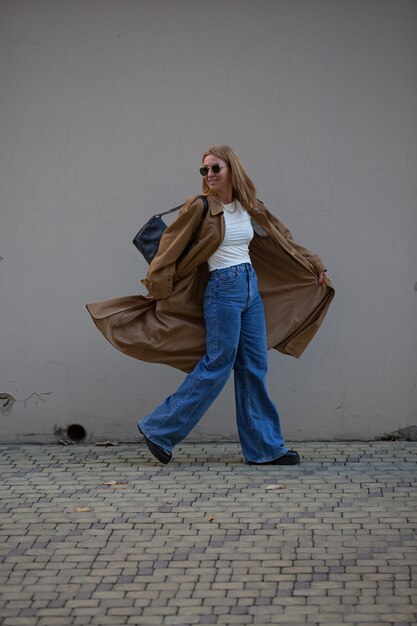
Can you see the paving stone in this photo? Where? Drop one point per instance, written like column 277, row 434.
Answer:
column 337, row 545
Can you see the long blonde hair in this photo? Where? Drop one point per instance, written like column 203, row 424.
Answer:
column 243, row 188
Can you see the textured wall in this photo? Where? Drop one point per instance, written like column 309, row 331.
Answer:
column 105, row 109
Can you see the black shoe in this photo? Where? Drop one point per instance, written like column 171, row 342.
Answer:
column 158, row 452
column 289, row 458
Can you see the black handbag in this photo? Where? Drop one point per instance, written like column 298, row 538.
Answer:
column 148, row 238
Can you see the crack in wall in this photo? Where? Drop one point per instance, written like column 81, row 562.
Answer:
column 39, row 395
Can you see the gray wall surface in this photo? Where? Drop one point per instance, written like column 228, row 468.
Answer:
column 105, row 109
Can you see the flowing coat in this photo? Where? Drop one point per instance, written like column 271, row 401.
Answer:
column 170, row 328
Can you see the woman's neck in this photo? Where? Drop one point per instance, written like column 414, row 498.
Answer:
column 226, row 197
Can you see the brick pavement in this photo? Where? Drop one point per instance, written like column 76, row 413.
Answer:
column 203, row 541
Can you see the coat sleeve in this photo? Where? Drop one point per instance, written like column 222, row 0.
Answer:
column 313, row 259
column 175, row 239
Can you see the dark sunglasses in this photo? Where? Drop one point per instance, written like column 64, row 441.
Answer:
column 214, row 168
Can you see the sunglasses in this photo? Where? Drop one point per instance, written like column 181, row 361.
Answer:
column 214, row 168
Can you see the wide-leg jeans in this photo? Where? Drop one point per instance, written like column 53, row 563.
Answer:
column 236, row 339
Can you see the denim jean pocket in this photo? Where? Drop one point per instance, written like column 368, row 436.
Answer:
column 228, row 275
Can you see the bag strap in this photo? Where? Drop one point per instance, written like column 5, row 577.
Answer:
column 181, row 205
column 203, row 217
column 206, row 206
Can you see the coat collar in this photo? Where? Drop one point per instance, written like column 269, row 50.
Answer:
column 215, row 205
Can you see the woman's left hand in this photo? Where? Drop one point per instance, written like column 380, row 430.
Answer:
column 321, row 277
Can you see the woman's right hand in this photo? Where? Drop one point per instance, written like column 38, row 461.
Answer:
column 321, row 277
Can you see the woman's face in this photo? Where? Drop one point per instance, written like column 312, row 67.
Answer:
column 220, row 182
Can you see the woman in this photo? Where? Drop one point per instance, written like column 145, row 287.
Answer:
column 215, row 280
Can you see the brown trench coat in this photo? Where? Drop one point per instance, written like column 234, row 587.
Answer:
column 170, row 329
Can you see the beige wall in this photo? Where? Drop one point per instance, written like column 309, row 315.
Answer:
column 105, row 109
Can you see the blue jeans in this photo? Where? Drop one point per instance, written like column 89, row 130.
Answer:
column 236, row 339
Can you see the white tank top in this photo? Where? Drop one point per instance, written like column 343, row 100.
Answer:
column 234, row 248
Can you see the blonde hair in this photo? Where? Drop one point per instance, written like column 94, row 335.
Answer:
column 243, row 188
